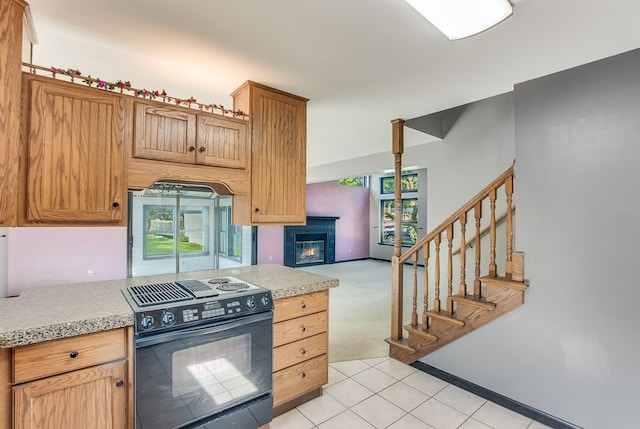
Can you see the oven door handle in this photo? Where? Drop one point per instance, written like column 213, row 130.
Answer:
column 202, row 330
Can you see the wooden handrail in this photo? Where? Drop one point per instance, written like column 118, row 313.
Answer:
column 484, row 193
column 499, row 220
column 443, row 237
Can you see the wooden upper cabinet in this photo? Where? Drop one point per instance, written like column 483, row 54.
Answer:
column 75, row 154
column 11, row 53
column 164, row 133
column 167, row 133
column 222, row 142
column 278, row 122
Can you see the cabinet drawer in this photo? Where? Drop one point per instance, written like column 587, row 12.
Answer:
column 68, row 354
column 297, row 329
column 299, row 379
column 299, row 351
column 296, row 306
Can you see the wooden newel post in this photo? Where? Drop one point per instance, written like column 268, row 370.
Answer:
column 398, row 150
column 396, row 266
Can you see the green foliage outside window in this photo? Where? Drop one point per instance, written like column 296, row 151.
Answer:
column 409, row 221
column 358, row 181
column 160, row 232
column 409, row 183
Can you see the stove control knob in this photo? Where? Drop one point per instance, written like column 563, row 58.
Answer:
column 251, row 303
column 264, row 301
column 168, row 318
column 147, row 322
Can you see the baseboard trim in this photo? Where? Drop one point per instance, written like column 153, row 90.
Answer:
column 420, row 264
column 518, row 407
column 352, row 260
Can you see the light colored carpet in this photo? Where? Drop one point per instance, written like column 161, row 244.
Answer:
column 359, row 309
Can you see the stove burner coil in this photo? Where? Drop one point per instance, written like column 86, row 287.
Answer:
column 232, row 287
column 219, row 280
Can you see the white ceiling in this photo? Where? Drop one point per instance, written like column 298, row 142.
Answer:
column 361, row 63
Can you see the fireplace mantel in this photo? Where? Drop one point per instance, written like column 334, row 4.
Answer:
column 318, row 229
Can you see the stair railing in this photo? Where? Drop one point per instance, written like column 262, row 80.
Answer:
column 421, row 252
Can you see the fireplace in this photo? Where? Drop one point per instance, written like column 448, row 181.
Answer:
column 311, row 244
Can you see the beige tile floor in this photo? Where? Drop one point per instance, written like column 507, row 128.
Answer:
column 384, row 393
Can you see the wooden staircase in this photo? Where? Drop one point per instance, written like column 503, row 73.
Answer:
column 482, row 293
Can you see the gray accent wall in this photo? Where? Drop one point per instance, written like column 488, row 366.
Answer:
column 573, row 349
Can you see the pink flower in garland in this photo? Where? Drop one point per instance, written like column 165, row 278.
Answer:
column 144, row 92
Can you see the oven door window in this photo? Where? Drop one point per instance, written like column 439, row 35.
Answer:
column 221, row 369
column 202, row 372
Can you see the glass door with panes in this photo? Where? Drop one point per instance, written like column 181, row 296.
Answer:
column 175, row 228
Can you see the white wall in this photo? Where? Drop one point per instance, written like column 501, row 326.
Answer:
column 470, row 156
column 572, row 349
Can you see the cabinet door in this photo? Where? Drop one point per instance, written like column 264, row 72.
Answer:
column 11, row 54
column 76, row 154
column 278, row 163
column 222, row 142
column 164, row 133
column 94, row 397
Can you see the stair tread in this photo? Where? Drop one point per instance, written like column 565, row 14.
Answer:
column 476, row 302
column 442, row 315
column 417, row 330
column 402, row 343
column 505, row 282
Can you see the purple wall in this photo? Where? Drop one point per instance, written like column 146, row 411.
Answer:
column 271, row 245
column 327, row 199
column 40, row 256
column 49, row 256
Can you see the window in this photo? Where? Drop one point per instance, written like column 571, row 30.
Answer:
column 409, row 221
column 230, row 243
column 357, row 181
column 179, row 228
column 409, row 183
column 161, row 232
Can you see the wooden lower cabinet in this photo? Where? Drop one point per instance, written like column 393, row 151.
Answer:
column 75, row 382
column 300, row 354
column 94, row 397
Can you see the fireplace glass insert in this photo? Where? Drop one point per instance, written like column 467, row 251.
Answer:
column 309, row 252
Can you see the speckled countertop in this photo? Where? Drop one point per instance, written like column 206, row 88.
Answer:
column 52, row 312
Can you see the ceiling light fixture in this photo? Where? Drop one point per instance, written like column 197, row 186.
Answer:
column 458, row 19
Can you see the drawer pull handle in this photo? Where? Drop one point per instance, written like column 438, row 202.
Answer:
column 303, row 352
column 303, row 329
column 119, row 383
column 303, row 306
column 73, row 355
column 303, row 375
